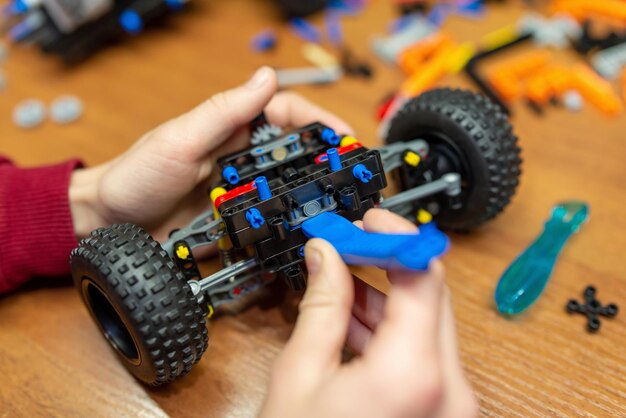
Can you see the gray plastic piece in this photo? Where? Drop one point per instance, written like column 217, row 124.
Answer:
column 29, row 113
column 203, row 230
column 66, row 109
column 449, row 183
column 387, row 48
column 609, row 62
column 556, row 32
column 573, row 100
column 392, row 154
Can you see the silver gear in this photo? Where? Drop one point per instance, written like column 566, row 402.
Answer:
column 265, row 133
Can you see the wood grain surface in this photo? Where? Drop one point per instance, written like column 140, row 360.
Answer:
column 53, row 361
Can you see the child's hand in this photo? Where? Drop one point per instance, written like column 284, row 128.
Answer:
column 409, row 365
column 160, row 182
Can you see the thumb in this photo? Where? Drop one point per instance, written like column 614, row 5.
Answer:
column 205, row 127
column 325, row 310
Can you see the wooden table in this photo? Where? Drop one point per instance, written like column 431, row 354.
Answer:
column 53, row 362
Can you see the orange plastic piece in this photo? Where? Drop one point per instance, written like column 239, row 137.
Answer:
column 507, row 86
column 552, row 82
column 538, row 90
column 596, row 90
column 429, row 73
column 506, row 78
column 582, row 9
column 414, row 56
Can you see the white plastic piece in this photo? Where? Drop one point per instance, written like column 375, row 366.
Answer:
column 29, row 113
column 573, row 100
column 556, row 32
column 66, row 109
column 310, row 75
column 609, row 62
column 387, row 48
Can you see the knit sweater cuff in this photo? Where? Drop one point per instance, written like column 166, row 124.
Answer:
column 36, row 222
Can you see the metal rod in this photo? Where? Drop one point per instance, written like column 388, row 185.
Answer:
column 198, row 286
column 450, row 183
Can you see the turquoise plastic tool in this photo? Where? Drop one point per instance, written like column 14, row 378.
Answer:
column 523, row 282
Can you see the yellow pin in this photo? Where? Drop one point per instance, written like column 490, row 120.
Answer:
column 182, row 252
column 215, row 193
column 412, row 158
column 348, row 140
column 423, row 216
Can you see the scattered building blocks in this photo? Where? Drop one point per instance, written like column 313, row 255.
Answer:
column 506, row 78
column 596, row 91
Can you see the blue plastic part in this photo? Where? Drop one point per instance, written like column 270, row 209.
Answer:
column 264, row 41
column 362, row 173
column 230, row 174
column 438, row 14
column 387, row 251
column 19, row 7
column 301, row 251
column 131, row 22
column 525, row 279
column 262, row 188
column 334, row 31
column 334, row 159
column 305, row 30
column 175, row 4
column 330, row 137
column 471, row 8
column 348, row 7
column 254, row 218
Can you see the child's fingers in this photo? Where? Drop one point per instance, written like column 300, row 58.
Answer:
column 359, row 335
column 205, row 127
column 316, row 343
column 291, row 109
column 369, row 304
column 384, row 221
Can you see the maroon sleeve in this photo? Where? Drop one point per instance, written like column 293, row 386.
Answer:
column 35, row 222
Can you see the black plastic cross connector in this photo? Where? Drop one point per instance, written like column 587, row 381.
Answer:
column 592, row 308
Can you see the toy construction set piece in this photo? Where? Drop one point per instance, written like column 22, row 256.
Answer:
column 76, row 29
column 29, row 113
column 592, row 308
column 451, row 153
column 525, row 279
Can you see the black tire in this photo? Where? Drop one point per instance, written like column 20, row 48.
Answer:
column 141, row 302
column 469, row 134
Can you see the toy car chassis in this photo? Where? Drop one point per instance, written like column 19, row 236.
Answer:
column 454, row 159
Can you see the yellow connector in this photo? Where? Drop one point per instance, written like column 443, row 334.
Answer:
column 412, row 158
column 348, row 140
column 424, row 217
column 460, row 57
column 182, row 252
column 215, row 193
column 211, row 311
column 499, row 37
column 319, row 56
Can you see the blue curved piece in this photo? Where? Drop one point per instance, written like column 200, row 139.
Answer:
column 387, row 251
